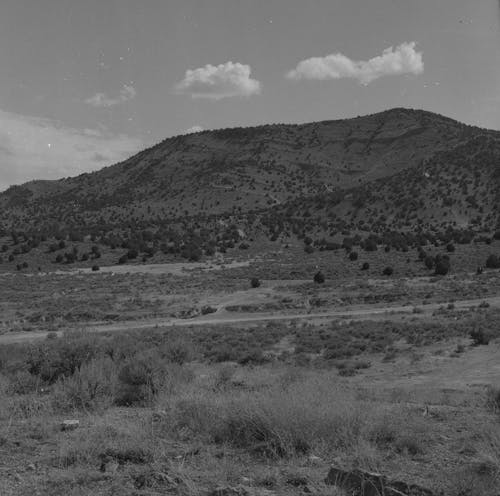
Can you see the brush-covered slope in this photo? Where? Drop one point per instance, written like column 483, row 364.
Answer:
column 387, row 161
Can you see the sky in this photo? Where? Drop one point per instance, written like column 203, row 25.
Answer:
column 86, row 84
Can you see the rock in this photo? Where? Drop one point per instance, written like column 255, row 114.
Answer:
column 361, row 483
column 70, row 425
column 240, row 490
column 314, row 460
column 110, row 467
column 31, row 467
column 159, row 415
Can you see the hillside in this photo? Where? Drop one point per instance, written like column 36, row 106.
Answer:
column 399, row 170
column 240, row 169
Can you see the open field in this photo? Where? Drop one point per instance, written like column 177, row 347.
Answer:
column 197, row 383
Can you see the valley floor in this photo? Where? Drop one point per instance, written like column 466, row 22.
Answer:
column 205, row 385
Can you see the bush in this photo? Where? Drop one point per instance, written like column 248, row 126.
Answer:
column 353, row 256
column 177, row 350
column 479, row 337
column 429, row 262
column 388, row 271
column 95, row 268
column 254, row 282
column 141, row 378
column 92, row 386
column 54, row 359
column 123, row 259
column 319, row 278
column 365, row 266
column 493, row 262
column 493, row 398
column 442, row 265
column 450, row 247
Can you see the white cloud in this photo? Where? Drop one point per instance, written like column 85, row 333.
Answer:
column 194, row 129
column 35, row 148
column 217, row 82
column 127, row 93
column 403, row 59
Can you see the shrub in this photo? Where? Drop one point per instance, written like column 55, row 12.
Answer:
column 53, row 359
column 429, row 262
column 493, row 398
column 388, row 271
column 95, row 268
column 365, row 266
column 442, row 265
column 353, row 256
column 309, row 249
column 92, row 386
column 254, row 282
column 123, row 259
column 479, row 337
column 140, row 378
column 450, row 247
column 177, row 350
column 319, row 278
column 493, row 262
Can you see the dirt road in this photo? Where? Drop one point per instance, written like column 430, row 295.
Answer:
column 224, row 317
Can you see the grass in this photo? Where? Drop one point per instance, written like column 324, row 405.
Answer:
column 185, row 410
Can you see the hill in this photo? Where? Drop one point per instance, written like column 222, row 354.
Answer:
column 399, row 170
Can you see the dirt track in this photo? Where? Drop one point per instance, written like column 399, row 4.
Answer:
column 224, row 317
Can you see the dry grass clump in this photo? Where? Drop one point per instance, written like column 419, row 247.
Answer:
column 126, row 443
column 313, row 415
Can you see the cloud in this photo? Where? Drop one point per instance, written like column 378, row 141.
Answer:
column 127, row 93
column 403, row 59
column 194, row 129
column 35, row 148
column 217, row 82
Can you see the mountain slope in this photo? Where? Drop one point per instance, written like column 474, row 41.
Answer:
column 240, row 170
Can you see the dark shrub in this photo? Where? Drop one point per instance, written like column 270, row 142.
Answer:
column 442, row 265
column 132, row 253
column 353, row 256
column 95, row 268
column 388, row 271
column 365, row 266
column 319, row 278
column 479, row 337
column 254, row 282
column 309, row 249
column 429, row 262
column 123, row 259
column 141, row 379
column 370, row 245
column 493, row 262
column 450, row 247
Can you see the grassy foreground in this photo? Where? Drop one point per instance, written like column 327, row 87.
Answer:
column 170, row 413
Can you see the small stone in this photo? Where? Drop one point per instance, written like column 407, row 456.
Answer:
column 31, row 467
column 314, row 460
column 159, row 415
column 110, row 467
column 70, row 425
